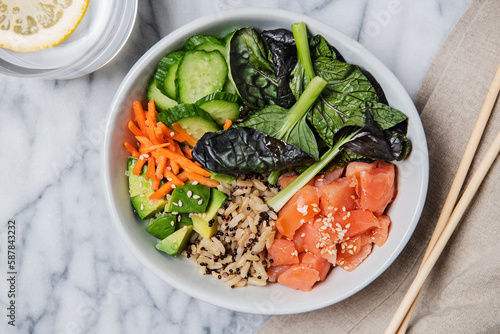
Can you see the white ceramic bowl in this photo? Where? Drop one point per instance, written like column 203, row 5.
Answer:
column 272, row 299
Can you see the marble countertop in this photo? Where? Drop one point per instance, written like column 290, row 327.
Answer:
column 75, row 275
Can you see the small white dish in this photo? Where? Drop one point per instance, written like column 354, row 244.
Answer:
column 97, row 39
column 272, row 299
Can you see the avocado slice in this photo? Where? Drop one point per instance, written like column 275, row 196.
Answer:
column 164, row 226
column 184, row 220
column 189, row 198
column 223, row 178
column 140, row 190
column 207, row 226
column 176, row 242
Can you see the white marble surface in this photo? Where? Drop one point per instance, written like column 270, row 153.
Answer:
column 74, row 273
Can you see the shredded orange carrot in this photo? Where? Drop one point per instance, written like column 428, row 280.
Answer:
column 172, row 176
column 184, row 162
column 148, row 149
column 165, row 189
column 227, row 124
column 152, row 136
column 169, row 133
column 187, row 152
column 132, row 149
column 138, row 166
column 151, row 115
column 156, row 183
column 202, row 180
column 144, row 141
column 190, row 140
column 150, row 171
column 135, row 130
column 160, row 168
column 183, row 176
column 139, row 115
column 159, row 134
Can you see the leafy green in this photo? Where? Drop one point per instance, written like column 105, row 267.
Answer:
column 243, row 149
column 258, row 80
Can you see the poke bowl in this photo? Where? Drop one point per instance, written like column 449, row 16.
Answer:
column 180, row 272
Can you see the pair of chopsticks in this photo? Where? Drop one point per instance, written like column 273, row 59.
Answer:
column 451, row 215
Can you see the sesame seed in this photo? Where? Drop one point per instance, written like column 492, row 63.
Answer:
column 348, row 225
column 330, row 208
column 355, row 248
column 349, row 214
column 350, row 246
column 189, row 193
column 350, row 252
column 169, row 168
column 172, row 134
column 180, row 203
column 142, row 195
column 338, row 225
column 200, row 202
column 179, row 219
column 184, row 227
column 343, row 208
column 321, row 180
column 140, row 184
column 176, row 204
column 353, row 197
column 344, row 218
column 172, row 223
column 195, row 183
column 196, row 196
column 173, row 186
column 142, row 206
column 169, row 179
column 303, row 235
column 314, row 205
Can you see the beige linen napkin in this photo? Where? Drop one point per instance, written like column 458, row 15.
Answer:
column 462, row 294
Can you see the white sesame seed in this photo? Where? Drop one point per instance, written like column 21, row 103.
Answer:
column 173, row 186
column 172, row 134
column 142, row 195
column 172, row 223
column 180, row 203
column 350, row 246
column 140, row 184
column 344, row 218
column 200, row 202
column 142, row 206
column 169, row 179
column 141, row 157
column 189, row 193
column 350, row 252
column 349, row 214
column 348, row 225
column 330, row 208
column 343, row 208
column 184, row 227
column 175, row 213
column 314, row 205
column 196, row 196
column 353, row 197
column 303, row 235
column 175, row 204
column 195, row 183
column 169, row 168
column 338, row 225
column 179, row 218
column 355, row 248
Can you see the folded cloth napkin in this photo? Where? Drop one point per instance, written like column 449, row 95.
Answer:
column 462, row 293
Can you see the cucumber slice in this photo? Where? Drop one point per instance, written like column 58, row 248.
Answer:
column 206, row 43
column 166, row 72
column 221, row 106
column 162, row 101
column 194, row 120
column 200, row 73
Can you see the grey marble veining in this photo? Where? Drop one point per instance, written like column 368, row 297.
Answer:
column 75, row 274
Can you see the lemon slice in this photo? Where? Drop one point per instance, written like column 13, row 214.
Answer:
column 31, row 25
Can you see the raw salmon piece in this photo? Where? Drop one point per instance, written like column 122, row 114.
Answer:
column 324, row 179
column 380, row 234
column 355, row 222
column 299, row 277
column 283, row 252
column 354, row 244
column 350, row 262
column 301, row 208
column 338, row 196
column 286, row 180
column 275, row 271
column 311, row 238
column 316, row 262
column 377, row 187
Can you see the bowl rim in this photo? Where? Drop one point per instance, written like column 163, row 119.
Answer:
column 126, row 85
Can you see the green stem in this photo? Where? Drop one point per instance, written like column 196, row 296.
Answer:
column 278, row 201
column 273, row 177
column 300, row 108
column 299, row 31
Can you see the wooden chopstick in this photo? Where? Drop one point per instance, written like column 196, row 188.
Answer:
column 455, row 218
column 458, row 182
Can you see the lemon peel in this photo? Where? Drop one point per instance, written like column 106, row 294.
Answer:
column 31, row 25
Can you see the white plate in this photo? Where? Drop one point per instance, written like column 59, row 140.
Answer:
column 272, row 299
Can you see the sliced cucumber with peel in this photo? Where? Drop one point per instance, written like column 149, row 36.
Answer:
column 194, row 120
column 166, row 73
column 200, row 73
column 221, row 106
column 162, row 101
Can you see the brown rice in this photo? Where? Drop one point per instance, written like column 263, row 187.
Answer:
column 236, row 255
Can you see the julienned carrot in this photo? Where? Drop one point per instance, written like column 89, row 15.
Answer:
column 148, row 149
column 169, row 133
column 156, row 183
column 184, row 162
column 165, row 189
column 202, row 180
column 159, row 134
column 150, row 171
column 187, row 151
column 135, row 130
column 171, row 176
column 183, row 176
column 139, row 115
column 152, row 136
column 160, row 168
column 138, row 166
column 190, row 140
column 144, row 141
column 227, row 124
column 151, row 115
column 132, row 149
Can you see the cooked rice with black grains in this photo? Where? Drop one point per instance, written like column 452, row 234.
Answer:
column 236, row 255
